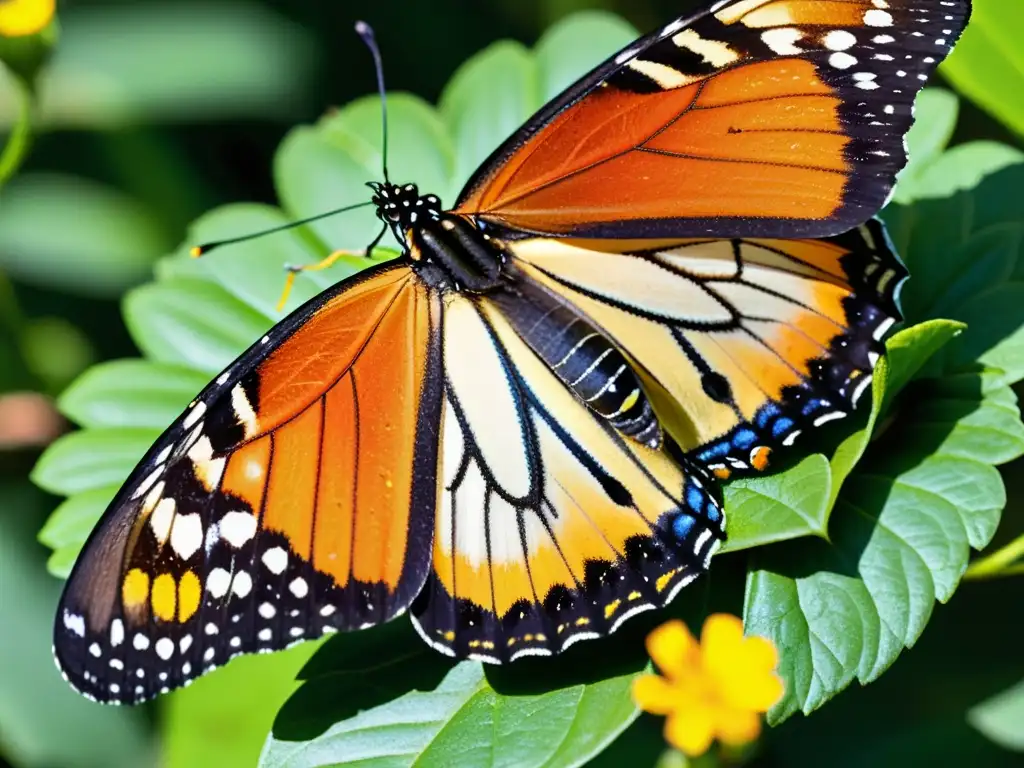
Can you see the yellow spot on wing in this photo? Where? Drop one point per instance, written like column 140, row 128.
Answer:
column 611, row 608
column 663, row 580
column 164, row 597
column 135, row 588
column 190, row 592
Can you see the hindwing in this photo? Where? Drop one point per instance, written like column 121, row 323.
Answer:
column 552, row 527
column 742, row 344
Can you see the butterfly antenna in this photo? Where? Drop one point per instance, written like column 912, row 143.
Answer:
column 365, row 31
column 205, row 248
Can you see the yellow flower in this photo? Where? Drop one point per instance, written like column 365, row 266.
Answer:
column 717, row 689
column 25, row 17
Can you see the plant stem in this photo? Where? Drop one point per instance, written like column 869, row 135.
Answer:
column 16, row 149
column 999, row 563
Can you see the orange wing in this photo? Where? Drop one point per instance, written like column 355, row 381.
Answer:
column 294, row 497
column 756, row 118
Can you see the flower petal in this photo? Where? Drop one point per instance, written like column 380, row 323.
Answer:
column 690, row 730
column 759, row 692
column 737, row 727
column 654, row 694
column 761, row 653
column 721, row 642
column 672, row 648
column 25, row 17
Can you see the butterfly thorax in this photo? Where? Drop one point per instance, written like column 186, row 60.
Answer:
column 468, row 260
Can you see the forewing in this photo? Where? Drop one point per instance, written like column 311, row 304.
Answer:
column 761, row 118
column 552, row 527
column 742, row 344
column 294, row 497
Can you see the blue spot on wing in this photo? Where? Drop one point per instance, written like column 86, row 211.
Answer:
column 744, row 438
column 782, row 426
column 765, row 414
column 682, row 525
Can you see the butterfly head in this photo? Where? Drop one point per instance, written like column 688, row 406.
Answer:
column 402, row 207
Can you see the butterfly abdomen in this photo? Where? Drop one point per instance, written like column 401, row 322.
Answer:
column 585, row 361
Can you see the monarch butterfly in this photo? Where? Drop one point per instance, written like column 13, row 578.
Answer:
column 515, row 429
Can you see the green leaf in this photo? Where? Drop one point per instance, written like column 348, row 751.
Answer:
column 964, row 166
column 476, row 125
column 72, row 521
column 76, row 235
column 465, row 722
column 900, row 534
column 157, row 61
column 987, row 64
column 935, row 115
column 94, row 458
column 573, row 46
column 908, row 351
column 191, row 323
column 782, row 506
column 222, row 719
column 1001, row 718
column 130, row 393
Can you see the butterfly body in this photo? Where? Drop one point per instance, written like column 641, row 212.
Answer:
column 515, row 429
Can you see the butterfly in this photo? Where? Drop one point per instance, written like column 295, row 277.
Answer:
column 516, row 430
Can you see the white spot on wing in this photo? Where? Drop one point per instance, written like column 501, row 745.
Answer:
column 877, row 18
column 162, row 519
column 75, row 623
column 194, row 415
column 241, row 585
column 783, row 40
column 276, row 560
column 237, row 528
column 218, row 582
column 187, row 535
column 165, row 648
column 116, row 632
column 299, row 587
column 839, row 40
column 842, row 60
column 244, row 411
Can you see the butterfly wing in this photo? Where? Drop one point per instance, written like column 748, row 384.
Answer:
column 294, row 497
column 551, row 527
column 742, row 344
column 766, row 118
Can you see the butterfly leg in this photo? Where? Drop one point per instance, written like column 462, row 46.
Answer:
column 324, row 263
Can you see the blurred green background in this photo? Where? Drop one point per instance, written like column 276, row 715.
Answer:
column 154, row 111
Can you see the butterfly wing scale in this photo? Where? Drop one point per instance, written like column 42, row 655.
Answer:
column 294, row 497
column 762, row 118
column 552, row 527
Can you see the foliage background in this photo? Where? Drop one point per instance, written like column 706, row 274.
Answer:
column 154, row 112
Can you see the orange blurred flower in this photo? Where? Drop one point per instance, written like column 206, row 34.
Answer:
column 25, row 17
column 715, row 689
